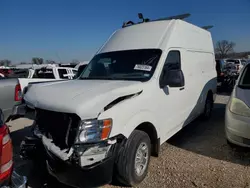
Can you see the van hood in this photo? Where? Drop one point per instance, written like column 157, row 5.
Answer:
column 86, row 98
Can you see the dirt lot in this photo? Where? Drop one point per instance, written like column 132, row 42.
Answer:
column 198, row 156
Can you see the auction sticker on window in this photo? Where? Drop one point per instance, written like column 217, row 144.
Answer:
column 143, row 67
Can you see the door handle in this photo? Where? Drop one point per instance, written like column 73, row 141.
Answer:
column 182, row 88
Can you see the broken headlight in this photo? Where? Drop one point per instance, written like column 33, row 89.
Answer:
column 93, row 130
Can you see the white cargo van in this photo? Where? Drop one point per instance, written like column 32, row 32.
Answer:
column 146, row 83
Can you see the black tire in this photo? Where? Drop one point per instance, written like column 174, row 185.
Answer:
column 233, row 146
column 125, row 166
column 208, row 108
column 230, row 144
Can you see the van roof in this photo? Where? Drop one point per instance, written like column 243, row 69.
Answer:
column 160, row 34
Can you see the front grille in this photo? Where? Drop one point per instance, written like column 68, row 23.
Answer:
column 60, row 127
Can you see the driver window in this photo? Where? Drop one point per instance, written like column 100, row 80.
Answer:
column 173, row 60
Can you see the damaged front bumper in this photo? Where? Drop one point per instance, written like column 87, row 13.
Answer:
column 88, row 165
column 74, row 175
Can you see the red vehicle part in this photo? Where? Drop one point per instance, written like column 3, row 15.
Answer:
column 6, row 72
column 6, row 154
column 18, row 93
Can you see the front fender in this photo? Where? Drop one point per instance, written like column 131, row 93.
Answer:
column 138, row 118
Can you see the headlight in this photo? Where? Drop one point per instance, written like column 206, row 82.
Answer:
column 94, row 130
column 238, row 107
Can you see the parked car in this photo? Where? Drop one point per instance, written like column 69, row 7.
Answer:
column 8, row 177
column 146, row 83
column 81, row 63
column 80, row 67
column 12, row 89
column 4, row 72
column 239, row 63
column 230, row 69
column 53, row 73
column 49, row 74
column 220, row 63
column 237, row 119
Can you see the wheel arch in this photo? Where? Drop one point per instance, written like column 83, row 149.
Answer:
column 150, row 129
column 144, row 121
column 210, row 94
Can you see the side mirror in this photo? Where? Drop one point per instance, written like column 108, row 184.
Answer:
column 172, row 78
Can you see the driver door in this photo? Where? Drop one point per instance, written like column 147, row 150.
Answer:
column 174, row 100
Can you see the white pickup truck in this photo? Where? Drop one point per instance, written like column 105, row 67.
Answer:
column 12, row 88
column 46, row 74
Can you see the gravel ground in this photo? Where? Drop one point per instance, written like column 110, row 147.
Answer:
column 197, row 156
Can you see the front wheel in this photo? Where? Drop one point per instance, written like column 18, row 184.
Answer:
column 133, row 160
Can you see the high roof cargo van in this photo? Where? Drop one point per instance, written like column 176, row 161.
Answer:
column 147, row 82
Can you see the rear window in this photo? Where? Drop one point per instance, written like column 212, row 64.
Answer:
column 19, row 74
column 44, row 73
column 245, row 78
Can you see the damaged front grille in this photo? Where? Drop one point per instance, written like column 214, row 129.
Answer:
column 60, row 127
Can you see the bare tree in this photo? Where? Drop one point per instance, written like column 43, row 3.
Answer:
column 224, row 47
column 5, row 62
column 37, row 60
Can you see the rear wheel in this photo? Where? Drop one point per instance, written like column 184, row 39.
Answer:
column 133, row 160
column 208, row 108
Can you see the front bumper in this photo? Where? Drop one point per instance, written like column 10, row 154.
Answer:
column 73, row 175
column 70, row 172
column 237, row 129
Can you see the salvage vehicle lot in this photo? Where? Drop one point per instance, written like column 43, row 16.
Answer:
column 197, row 156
